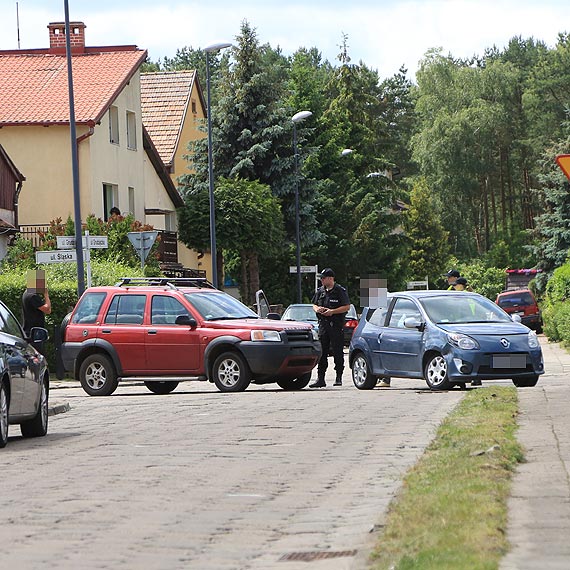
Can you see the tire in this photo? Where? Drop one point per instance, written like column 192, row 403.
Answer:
column 361, row 373
column 435, row 373
column 291, row 384
column 38, row 425
column 3, row 415
column 162, row 387
column 231, row 372
column 525, row 382
column 97, row 375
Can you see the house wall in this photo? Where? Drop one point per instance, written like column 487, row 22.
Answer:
column 44, row 154
column 190, row 132
column 116, row 163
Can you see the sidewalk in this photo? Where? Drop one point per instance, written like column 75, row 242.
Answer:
column 539, row 507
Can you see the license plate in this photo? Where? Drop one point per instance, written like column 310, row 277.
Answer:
column 509, row 361
column 519, row 313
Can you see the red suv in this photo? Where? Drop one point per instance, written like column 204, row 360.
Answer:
column 521, row 302
column 162, row 331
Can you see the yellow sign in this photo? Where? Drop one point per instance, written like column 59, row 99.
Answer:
column 563, row 161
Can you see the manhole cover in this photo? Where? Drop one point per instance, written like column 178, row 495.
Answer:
column 317, row 555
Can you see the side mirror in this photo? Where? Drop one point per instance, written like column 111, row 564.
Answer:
column 516, row 318
column 186, row 320
column 38, row 334
column 273, row 316
column 413, row 323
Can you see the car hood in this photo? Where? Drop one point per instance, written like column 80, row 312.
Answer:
column 268, row 324
column 475, row 329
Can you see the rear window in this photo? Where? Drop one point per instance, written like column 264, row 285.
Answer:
column 519, row 300
column 88, row 308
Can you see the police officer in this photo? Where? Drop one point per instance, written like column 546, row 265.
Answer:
column 331, row 304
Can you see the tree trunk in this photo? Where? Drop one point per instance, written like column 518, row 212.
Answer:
column 244, row 285
column 253, row 270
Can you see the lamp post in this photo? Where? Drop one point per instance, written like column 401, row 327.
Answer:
column 210, row 49
column 296, row 118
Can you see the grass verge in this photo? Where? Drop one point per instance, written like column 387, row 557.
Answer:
column 452, row 510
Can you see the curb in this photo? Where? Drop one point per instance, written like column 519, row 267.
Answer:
column 59, row 409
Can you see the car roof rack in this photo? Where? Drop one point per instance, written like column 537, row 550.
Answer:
column 172, row 282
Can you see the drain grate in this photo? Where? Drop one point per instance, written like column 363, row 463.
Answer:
column 316, row 555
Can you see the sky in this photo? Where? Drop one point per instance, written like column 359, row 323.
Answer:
column 384, row 34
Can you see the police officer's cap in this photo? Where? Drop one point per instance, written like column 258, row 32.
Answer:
column 328, row 272
column 452, row 273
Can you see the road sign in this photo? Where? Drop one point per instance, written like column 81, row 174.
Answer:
column 563, row 161
column 94, row 242
column 56, row 256
column 142, row 242
column 418, row 284
column 304, row 268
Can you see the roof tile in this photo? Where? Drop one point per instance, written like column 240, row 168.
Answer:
column 164, row 101
column 34, row 85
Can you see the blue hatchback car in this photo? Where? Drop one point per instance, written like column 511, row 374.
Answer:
column 447, row 338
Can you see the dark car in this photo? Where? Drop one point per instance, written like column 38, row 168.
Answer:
column 445, row 337
column 521, row 302
column 304, row 312
column 24, row 379
column 162, row 331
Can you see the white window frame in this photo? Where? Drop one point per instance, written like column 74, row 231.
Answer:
column 113, row 125
column 131, row 130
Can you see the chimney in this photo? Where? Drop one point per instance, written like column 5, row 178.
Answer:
column 57, row 37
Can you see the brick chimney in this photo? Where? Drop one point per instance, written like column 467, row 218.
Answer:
column 57, row 37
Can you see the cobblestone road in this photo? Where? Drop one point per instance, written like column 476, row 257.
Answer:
column 202, row 480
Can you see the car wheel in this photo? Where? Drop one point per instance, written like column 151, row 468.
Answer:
column 361, row 373
column 97, row 375
column 161, row 387
column 435, row 373
column 231, row 373
column 3, row 415
column 38, row 425
column 291, row 384
column 525, row 382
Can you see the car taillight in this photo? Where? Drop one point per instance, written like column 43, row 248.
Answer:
column 351, row 324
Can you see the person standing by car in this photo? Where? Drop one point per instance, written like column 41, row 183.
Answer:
column 461, row 284
column 330, row 303
column 36, row 303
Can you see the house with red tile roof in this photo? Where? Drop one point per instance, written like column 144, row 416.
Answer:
column 119, row 164
column 174, row 113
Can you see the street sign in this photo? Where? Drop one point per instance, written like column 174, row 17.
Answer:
column 417, row 284
column 142, row 242
column 56, row 256
column 94, row 242
column 563, row 161
column 304, row 268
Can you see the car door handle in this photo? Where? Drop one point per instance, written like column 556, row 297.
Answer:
column 106, row 331
column 152, row 331
column 380, row 337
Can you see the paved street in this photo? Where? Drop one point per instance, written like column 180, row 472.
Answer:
column 203, row 480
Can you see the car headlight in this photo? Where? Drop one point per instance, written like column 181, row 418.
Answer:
column 271, row 336
column 462, row 341
column 533, row 340
column 315, row 334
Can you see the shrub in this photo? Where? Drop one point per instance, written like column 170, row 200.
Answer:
column 556, row 313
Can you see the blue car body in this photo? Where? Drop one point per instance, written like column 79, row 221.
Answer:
column 445, row 337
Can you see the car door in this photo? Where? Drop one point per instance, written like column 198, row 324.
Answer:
column 24, row 390
column 371, row 334
column 401, row 347
column 170, row 348
column 122, row 327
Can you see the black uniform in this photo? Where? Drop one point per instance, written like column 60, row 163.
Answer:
column 32, row 316
column 331, row 328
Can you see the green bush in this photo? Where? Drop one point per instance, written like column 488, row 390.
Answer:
column 556, row 313
column 61, row 280
column 487, row 281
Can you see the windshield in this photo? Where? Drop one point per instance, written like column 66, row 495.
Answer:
column 453, row 309
column 214, row 306
column 300, row 313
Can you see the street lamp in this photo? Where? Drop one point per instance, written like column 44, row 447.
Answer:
column 210, row 49
column 346, row 151
column 296, row 118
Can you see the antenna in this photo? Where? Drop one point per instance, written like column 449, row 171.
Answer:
column 18, row 23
